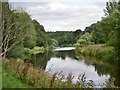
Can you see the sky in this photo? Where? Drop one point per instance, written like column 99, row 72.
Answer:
column 63, row 15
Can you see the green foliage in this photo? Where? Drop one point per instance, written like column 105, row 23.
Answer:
column 65, row 38
column 35, row 50
column 105, row 31
column 17, row 52
column 101, row 52
column 10, row 81
column 42, row 38
column 30, row 38
column 108, row 29
column 26, row 74
column 85, row 39
column 54, row 43
column 19, row 28
column 110, row 7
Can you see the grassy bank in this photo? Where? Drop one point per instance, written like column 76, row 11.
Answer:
column 11, row 81
column 102, row 52
column 19, row 74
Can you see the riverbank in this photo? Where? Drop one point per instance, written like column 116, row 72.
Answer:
column 19, row 74
column 25, row 75
column 99, row 51
column 9, row 80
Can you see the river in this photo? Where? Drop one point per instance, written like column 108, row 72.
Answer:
column 65, row 60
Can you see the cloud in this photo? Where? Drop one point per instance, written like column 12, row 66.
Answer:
column 65, row 16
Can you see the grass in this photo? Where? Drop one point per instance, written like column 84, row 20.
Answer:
column 19, row 74
column 10, row 81
column 102, row 52
column 0, row 73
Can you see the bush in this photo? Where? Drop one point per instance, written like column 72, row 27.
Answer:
column 17, row 52
column 35, row 50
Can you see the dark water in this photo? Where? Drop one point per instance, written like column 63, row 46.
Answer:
column 68, row 62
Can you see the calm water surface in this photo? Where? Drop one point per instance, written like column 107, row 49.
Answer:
column 64, row 59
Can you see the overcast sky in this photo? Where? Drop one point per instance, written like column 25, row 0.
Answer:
column 63, row 15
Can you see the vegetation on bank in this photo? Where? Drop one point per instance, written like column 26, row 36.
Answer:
column 66, row 38
column 23, row 37
column 11, row 81
column 21, row 34
column 25, row 53
column 99, row 51
column 24, row 75
column 104, row 32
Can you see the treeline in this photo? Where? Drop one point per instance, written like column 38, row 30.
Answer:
column 21, row 34
column 66, row 38
column 105, row 31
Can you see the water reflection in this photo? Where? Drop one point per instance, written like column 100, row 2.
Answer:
column 67, row 62
column 41, row 59
column 70, row 65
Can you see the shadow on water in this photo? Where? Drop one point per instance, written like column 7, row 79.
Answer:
column 41, row 59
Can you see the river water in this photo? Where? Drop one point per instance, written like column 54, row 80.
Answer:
column 65, row 60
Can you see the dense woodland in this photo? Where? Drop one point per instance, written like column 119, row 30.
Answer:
column 22, row 37
column 21, row 33
column 66, row 38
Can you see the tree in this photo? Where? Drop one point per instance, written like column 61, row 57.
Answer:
column 90, row 28
column 6, row 26
column 85, row 39
column 41, row 35
column 110, row 7
column 16, row 26
column 0, row 26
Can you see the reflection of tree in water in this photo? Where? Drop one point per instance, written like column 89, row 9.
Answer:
column 117, row 73
column 64, row 54
column 107, row 68
column 110, row 67
column 41, row 59
column 101, row 68
column 104, row 68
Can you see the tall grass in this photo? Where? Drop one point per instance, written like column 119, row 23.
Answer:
column 99, row 51
column 36, row 77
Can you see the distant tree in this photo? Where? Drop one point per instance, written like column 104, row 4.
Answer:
column 85, row 39
column 90, row 28
column 78, row 32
